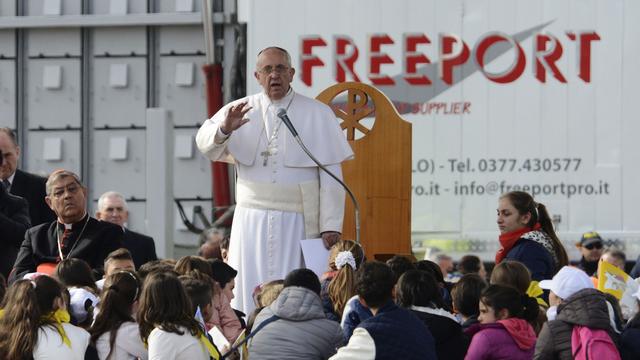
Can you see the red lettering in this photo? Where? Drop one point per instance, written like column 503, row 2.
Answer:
column 546, row 58
column 584, row 52
column 377, row 58
column 514, row 71
column 345, row 60
column 307, row 60
column 449, row 59
column 412, row 58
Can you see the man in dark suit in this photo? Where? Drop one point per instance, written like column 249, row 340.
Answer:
column 14, row 221
column 112, row 207
column 75, row 234
column 28, row 186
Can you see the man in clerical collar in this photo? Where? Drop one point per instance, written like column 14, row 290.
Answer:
column 74, row 233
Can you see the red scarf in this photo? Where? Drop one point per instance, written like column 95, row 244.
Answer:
column 508, row 240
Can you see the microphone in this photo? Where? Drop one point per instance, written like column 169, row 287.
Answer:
column 282, row 114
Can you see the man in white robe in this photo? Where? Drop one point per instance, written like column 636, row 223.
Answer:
column 282, row 196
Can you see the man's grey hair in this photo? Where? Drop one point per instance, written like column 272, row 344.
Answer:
column 111, row 194
column 60, row 174
column 11, row 134
column 285, row 52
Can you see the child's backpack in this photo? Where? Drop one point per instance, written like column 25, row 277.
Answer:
column 592, row 344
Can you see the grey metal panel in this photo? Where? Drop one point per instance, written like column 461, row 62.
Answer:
column 67, row 7
column 188, row 160
column 8, row 93
column 8, row 8
column 170, row 6
column 117, row 168
column 120, row 41
column 186, row 103
column 7, row 43
column 53, row 42
column 105, row 6
column 181, row 40
column 118, row 106
column 53, row 108
column 181, row 235
column 69, row 142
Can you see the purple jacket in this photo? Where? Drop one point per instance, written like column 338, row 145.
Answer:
column 494, row 341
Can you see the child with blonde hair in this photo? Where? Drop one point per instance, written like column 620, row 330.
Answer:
column 338, row 284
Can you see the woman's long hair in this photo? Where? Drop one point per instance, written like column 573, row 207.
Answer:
column 343, row 285
column 524, row 203
column 164, row 304
column 25, row 308
column 121, row 290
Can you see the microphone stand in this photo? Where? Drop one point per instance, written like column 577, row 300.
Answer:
column 282, row 114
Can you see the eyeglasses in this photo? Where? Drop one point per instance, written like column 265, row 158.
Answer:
column 593, row 246
column 278, row 69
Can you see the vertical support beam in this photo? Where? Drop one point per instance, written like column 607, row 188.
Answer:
column 21, row 63
column 86, row 132
column 159, row 148
column 153, row 59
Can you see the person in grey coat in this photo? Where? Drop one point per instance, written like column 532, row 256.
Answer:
column 301, row 331
column 578, row 303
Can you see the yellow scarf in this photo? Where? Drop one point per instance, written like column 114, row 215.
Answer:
column 60, row 317
column 536, row 292
column 213, row 352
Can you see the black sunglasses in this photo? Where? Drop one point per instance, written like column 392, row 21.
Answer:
column 593, row 246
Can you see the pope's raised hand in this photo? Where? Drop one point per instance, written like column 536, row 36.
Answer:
column 235, row 117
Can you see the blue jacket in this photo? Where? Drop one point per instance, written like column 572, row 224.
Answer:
column 399, row 334
column 535, row 257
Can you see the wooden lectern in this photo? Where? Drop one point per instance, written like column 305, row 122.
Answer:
column 380, row 175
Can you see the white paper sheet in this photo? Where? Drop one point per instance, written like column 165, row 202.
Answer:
column 316, row 256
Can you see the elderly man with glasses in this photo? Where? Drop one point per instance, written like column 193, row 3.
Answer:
column 281, row 195
column 74, row 234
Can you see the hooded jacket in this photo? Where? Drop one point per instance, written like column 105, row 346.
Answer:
column 587, row 307
column 509, row 339
column 302, row 332
column 450, row 342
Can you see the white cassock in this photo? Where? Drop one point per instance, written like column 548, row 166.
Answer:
column 282, row 197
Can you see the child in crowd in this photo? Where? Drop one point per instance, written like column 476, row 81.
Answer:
column 393, row 332
column 515, row 274
column 399, row 265
column 76, row 275
column 466, row 298
column 264, row 295
column 115, row 333
column 34, row 323
column 434, row 269
column 167, row 323
column 575, row 305
column 117, row 260
column 222, row 314
column 471, row 264
column 419, row 292
column 299, row 328
column 338, row 284
column 504, row 331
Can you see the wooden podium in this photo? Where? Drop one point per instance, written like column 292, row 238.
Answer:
column 380, row 175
